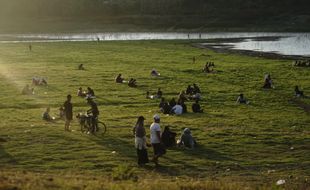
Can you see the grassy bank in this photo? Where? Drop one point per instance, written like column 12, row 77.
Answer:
column 256, row 144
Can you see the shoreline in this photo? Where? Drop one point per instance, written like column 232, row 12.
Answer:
column 251, row 53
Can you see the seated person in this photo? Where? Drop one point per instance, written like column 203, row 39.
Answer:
column 166, row 109
column 183, row 107
column 182, row 97
column 159, row 93
column 161, row 103
column 196, row 96
column 154, row 73
column 196, row 89
column 189, row 90
column 177, row 110
column 61, row 112
column 241, row 99
column 43, row 82
column 172, row 103
column 46, row 116
column 90, row 92
column 132, row 83
column 206, row 68
column 35, row 81
column 196, row 107
column 268, row 82
column 168, row 137
column 186, row 139
column 81, row 67
column 27, row 91
column 119, row 79
column 81, row 93
column 298, row 93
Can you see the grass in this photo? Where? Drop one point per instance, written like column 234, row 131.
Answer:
column 240, row 146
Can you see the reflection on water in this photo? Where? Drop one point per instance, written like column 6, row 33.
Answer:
column 298, row 44
column 286, row 43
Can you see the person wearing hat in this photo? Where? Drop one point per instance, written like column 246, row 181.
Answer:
column 140, row 141
column 68, row 112
column 94, row 112
column 187, row 139
column 158, row 148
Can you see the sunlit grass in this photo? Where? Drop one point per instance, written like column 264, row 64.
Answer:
column 236, row 142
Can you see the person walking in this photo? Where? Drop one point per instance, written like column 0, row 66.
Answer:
column 68, row 112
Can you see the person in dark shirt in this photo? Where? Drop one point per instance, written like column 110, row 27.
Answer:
column 68, row 112
column 159, row 93
column 81, row 67
column 90, row 92
column 119, row 78
column 189, row 90
column 94, row 112
column 140, row 141
column 196, row 107
column 298, row 93
column 172, row 103
column 196, row 89
column 168, row 137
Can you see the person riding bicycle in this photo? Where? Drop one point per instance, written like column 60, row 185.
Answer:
column 94, row 112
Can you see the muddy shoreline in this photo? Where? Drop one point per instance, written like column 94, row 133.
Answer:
column 218, row 46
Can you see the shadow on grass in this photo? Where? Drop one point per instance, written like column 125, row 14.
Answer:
column 6, row 158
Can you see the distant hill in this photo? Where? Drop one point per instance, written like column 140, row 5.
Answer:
column 202, row 15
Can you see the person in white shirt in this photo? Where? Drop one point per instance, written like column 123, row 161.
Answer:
column 159, row 150
column 177, row 109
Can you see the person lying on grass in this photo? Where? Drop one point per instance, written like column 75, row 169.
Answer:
column 187, row 139
column 46, row 116
column 159, row 94
column 154, row 73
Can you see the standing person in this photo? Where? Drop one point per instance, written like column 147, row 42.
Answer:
column 140, row 141
column 68, row 112
column 155, row 139
column 94, row 111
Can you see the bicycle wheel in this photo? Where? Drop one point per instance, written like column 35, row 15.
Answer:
column 84, row 128
column 102, row 128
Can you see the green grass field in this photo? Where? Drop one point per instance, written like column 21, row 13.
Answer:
column 240, row 146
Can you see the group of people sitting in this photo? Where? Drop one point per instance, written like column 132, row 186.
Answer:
column 38, row 81
column 86, row 94
column 208, row 68
column 27, row 90
column 302, row 63
column 193, row 92
column 131, row 83
column 178, row 107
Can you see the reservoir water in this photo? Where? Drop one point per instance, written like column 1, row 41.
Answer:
column 281, row 43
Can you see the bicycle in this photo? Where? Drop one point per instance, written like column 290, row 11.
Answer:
column 86, row 124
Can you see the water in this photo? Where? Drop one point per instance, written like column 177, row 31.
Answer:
column 283, row 43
